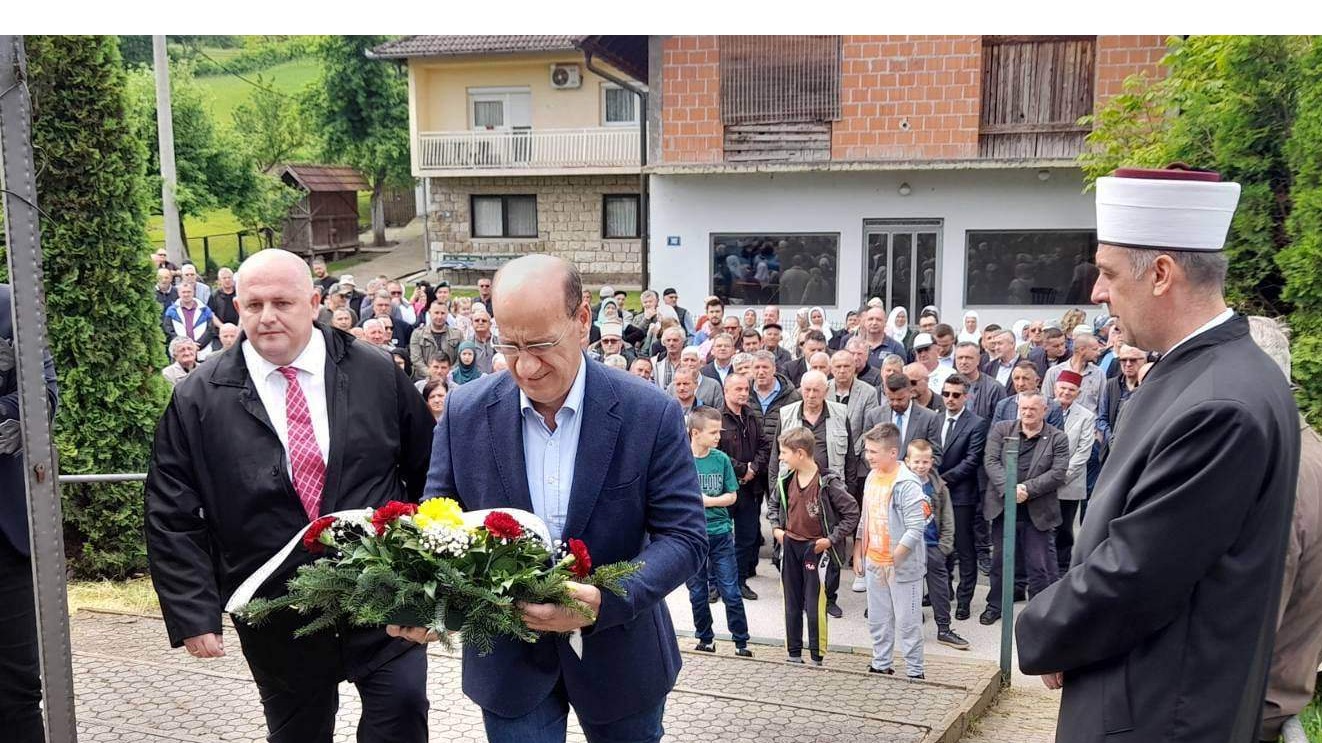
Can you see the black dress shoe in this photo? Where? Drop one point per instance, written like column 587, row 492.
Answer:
column 962, row 612
column 748, row 593
column 743, row 652
column 1020, row 595
column 989, row 617
column 887, row 672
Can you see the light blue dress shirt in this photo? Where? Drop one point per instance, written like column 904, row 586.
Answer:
column 549, row 457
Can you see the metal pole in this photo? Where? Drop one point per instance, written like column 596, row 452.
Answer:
column 124, row 477
column 174, row 244
column 1010, row 455
column 22, row 233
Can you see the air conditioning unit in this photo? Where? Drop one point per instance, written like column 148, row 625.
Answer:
column 566, row 77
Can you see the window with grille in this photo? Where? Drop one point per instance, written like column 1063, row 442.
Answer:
column 504, row 216
column 619, row 106
column 769, row 79
column 619, row 216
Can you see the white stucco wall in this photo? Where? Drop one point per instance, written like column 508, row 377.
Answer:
column 693, row 206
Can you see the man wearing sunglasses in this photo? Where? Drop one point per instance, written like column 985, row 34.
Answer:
column 963, row 438
column 630, row 492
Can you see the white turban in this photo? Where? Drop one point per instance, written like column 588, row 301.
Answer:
column 1165, row 209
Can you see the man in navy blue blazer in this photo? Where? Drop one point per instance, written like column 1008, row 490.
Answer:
column 600, row 456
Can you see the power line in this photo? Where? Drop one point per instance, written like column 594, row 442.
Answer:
column 227, row 70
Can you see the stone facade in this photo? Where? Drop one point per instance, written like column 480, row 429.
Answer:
column 569, row 222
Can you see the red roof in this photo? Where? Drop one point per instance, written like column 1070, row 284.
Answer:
column 455, row 46
column 322, row 178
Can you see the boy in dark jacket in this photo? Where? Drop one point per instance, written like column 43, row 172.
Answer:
column 810, row 511
column 939, row 536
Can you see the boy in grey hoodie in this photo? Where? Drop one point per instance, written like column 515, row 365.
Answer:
column 890, row 553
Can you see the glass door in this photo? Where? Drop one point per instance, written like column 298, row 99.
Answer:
column 900, row 262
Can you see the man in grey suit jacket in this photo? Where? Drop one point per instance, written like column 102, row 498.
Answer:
column 709, row 390
column 1044, row 457
column 859, row 399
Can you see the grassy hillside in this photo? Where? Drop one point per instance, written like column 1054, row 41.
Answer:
column 228, row 91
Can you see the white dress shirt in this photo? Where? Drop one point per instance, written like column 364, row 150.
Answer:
column 271, row 384
column 549, row 456
column 1223, row 317
column 945, row 424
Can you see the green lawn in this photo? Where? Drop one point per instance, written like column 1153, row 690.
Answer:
column 228, row 91
column 218, row 226
column 1311, row 717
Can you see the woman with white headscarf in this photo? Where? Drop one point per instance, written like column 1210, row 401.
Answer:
column 793, row 341
column 1020, row 329
column 898, row 328
column 970, row 333
column 817, row 321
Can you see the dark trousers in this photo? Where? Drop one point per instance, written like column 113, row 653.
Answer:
column 981, row 534
column 298, row 680
column 20, row 674
column 721, row 558
column 548, row 721
column 747, row 515
column 1065, row 535
column 1036, row 547
column 938, row 586
column 965, row 554
column 801, row 579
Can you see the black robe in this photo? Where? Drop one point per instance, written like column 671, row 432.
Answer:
column 1164, row 624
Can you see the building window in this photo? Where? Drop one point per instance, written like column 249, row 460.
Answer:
column 619, row 216
column 1034, row 91
column 504, row 216
column 619, row 107
column 796, row 268
column 779, row 79
column 500, row 108
column 1030, row 267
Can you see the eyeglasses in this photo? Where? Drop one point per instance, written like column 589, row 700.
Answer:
column 952, row 394
column 913, row 382
column 511, row 351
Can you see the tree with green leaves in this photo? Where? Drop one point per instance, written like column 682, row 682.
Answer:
column 361, row 108
column 270, row 127
column 1247, row 107
column 104, row 329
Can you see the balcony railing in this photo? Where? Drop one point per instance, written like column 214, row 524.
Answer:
column 529, row 149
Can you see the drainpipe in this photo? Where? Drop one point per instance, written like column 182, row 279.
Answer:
column 644, row 252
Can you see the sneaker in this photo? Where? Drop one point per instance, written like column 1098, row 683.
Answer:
column 748, row 593
column 949, row 637
column 817, row 662
column 833, row 610
column 860, row 585
column 713, row 596
column 919, row 677
column 887, row 672
column 705, row 647
column 794, row 659
column 743, row 652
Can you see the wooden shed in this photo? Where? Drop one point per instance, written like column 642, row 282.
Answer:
column 325, row 220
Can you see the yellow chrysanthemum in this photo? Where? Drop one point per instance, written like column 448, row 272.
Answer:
column 441, row 512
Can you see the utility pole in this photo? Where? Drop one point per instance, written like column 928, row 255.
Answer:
column 174, row 244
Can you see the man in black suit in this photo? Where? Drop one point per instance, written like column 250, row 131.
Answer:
column 913, row 420
column 302, row 421
column 20, row 674
column 1044, row 457
column 722, row 351
column 814, row 341
column 963, row 437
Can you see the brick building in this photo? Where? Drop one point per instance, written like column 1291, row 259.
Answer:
column 922, row 169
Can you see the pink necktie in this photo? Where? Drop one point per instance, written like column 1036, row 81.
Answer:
column 308, row 469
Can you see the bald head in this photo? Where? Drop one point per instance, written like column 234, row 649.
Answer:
column 527, row 279
column 277, row 302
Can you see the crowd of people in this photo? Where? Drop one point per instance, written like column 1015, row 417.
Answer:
column 875, row 447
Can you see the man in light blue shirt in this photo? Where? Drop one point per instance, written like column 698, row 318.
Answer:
column 549, row 454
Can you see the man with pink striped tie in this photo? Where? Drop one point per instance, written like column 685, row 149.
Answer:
column 294, row 421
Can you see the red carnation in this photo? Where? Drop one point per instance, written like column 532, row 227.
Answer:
column 501, row 525
column 581, row 567
column 312, row 537
column 389, row 512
